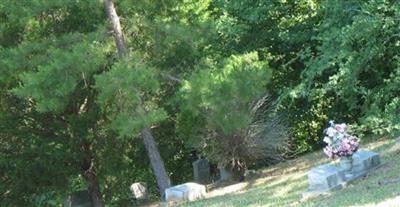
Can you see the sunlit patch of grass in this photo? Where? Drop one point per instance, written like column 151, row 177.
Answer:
column 283, row 184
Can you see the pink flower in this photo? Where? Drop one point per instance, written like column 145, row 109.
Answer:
column 339, row 142
column 341, row 127
column 345, row 147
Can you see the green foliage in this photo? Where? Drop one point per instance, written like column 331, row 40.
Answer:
column 226, row 92
column 216, row 108
column 357, row 63
column 72, row 63
column 32, row 20
column 126, row 92
column 61, row 89
column 281, row 30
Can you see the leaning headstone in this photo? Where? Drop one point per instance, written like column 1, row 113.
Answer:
column 78, row 199
column 185, row 192
column 324, row 178
column 139, row 191
column 201, row 171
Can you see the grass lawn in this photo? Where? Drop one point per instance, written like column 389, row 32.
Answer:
column 283, row 184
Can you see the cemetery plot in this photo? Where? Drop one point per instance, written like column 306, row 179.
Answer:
column 327, row 177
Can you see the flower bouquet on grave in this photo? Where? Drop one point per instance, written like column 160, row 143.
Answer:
column 340, row 144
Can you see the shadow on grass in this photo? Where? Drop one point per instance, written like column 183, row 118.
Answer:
column 279, row 192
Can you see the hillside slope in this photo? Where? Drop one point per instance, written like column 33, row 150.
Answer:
column 283, row 184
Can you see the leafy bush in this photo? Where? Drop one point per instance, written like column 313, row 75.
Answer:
column 218, row 113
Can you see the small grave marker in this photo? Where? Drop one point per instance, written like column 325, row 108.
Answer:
column 139, row 191
column 185, row 192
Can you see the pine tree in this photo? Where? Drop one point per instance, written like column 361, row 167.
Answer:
column 143, row 116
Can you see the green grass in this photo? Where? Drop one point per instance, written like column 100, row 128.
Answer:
column 283, row 184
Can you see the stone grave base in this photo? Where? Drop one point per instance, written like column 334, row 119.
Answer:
column 325, row 178
column 185, row 192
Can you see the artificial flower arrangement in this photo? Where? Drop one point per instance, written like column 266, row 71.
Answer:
column 339, row 142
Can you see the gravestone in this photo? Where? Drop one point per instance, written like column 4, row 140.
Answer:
column 78, row 199
column 139, row 191
column 201, row 171
column 325, row 178
column 363, row 161
column 224, row 174
column 185, row 192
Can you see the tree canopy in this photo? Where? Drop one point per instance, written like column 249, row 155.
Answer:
column 198, row 77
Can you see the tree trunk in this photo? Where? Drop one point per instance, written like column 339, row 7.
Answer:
column 91, row 176
column 156, row 161
column 94, row 190
column 116, row 26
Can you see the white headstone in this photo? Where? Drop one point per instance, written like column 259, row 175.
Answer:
column 185, row 192
column 139, row 191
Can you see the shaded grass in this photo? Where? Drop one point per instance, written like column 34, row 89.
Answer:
column 283, row 184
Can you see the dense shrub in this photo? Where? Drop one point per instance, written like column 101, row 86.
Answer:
column 218, row 114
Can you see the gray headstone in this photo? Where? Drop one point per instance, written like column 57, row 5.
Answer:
column 139, row 191
column 224, row 174
column 325, row 177
column 185, row 192
column 78, row 199
column 201, row 171
column 364, row 161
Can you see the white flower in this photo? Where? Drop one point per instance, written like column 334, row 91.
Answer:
column 327, row 140
column 331, row 131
